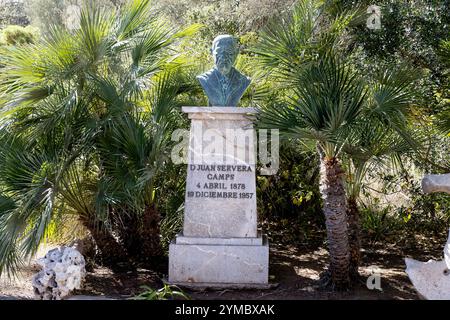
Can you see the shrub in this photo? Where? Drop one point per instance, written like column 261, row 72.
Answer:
column 166, row 293
column 17, row 35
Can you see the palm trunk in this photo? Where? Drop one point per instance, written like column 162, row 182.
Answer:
column 334, row 208
column 149, row 234
column 354, row 236
column 111, row 252
column 141, row 235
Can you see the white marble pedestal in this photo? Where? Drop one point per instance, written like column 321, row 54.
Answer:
column 220, row 246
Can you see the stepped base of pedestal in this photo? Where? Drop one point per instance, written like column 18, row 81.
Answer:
column 224, row 263
column 221, row 286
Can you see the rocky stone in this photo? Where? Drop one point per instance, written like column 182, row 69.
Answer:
column 63, row 270
column 431, row 279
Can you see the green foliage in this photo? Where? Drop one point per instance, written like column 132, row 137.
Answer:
column 329, row 105
column 167, row 292
column 330, row 102
column 289, row 202
column 388, row 219
column 87, row 122
column 45, row 14
column 411, row 30
column 378, row 224
column 420, row 210
column 86, row 115
column 443, row 97
column 171, row 225
column 293, row 191
column 170, row 194
column 223, row 16
column 393, row 205
column 413, row 33
column 17, row 35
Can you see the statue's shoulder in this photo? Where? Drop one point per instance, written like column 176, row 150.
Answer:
column 242, row 78
column 246, row 79
column 206, row 76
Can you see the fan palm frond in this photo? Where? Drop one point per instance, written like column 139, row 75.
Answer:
column 328, row 96
column 86, row 122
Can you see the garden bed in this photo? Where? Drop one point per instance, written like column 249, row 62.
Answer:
column 295, row 269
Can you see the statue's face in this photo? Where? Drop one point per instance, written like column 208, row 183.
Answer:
column 224, row 53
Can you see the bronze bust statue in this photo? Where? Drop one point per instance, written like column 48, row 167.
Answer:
column 224, row 85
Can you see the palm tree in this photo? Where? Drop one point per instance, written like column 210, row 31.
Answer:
column 326, row 101
column 85, row 130
column 371, row 148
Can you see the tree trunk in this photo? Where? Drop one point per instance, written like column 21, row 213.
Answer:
column 149, row 234
column 334, row 208
column 141, row 235
column 354, row 236
column 111, row 252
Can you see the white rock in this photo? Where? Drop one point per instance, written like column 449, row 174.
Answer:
column 63, row 270
column 447, row 252
column 430, row 279
column 436, row 183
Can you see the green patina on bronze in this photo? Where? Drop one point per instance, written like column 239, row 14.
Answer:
column 223, row 84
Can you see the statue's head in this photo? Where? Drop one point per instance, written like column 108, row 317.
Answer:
column 224, row 50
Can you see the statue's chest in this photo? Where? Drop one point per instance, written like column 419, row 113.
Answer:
column 225, row 89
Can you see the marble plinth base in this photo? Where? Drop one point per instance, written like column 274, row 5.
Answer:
column 224, row 263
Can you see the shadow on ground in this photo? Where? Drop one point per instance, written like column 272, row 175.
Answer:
column 296, row 270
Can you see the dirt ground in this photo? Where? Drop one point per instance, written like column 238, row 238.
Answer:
column 294, row 270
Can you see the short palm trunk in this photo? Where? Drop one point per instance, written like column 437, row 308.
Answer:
column 112, row 253
column 334, row 208
column 354, row 233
